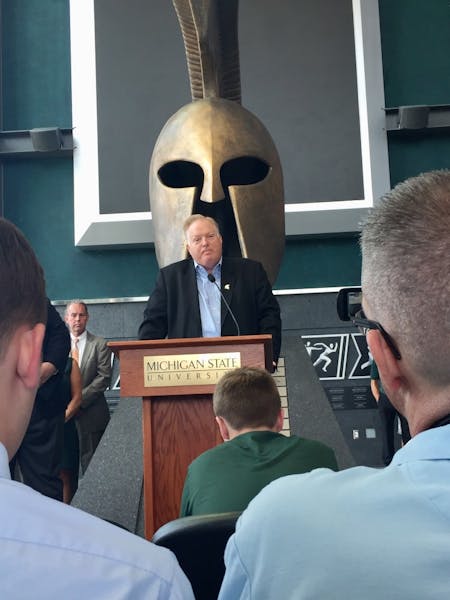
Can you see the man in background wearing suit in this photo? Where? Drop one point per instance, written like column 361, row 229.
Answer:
column 187, row 300
column 94, row 359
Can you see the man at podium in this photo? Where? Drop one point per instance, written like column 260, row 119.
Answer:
column 210, row 295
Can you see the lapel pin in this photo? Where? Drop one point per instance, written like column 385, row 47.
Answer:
column 226, row 286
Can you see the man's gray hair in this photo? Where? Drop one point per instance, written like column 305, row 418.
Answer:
column 197, row 217
column 82, row 302
column 405, row 246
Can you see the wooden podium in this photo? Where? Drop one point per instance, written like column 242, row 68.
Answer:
column 176, row 379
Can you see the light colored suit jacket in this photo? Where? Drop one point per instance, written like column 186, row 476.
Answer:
column 95, row 370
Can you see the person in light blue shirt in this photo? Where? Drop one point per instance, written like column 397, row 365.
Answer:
column 209, row 299
column 49, row 549
column 363, row 532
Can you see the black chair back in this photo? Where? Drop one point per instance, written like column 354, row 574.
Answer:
column 199, row 543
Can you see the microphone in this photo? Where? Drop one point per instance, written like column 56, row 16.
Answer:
column 212, row 279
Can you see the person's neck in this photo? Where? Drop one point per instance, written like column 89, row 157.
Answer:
column 78, row 335
column 234, row 433
column 441, row 422
column 432, row 410
column 208, row 268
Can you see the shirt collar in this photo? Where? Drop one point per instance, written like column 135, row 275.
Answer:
column 80, row 338
column 216, row 270
column 4, row 463
column 432, row 444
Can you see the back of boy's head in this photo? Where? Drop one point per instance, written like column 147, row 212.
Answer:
column 247, row 397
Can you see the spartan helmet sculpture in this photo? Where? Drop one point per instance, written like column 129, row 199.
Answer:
column 213, row 156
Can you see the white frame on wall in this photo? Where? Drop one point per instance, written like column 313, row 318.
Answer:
column 94, row 229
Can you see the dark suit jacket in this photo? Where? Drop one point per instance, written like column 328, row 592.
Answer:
column 173, row 309
column 55, row 349
column 95, row 370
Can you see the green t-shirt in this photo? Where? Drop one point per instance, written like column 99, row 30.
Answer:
column 227, row 477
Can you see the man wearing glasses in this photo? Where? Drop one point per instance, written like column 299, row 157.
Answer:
column 349, row 309
column 364, row 532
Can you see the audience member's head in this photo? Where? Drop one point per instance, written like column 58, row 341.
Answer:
column 247, row 399
column 406, row 287
column 76, row 316
column 23, row 314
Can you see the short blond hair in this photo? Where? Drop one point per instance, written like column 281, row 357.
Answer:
column 198, row 217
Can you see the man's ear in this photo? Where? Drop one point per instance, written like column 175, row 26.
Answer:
column 223, row 428
column 388, row 366
column 29, row 355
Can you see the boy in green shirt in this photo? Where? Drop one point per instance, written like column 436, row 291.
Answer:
column 248, row 412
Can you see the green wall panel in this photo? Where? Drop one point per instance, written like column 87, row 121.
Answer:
column 36, row 64
column 411, row 155
column 39, row 199
column 416, row 51
column 324, row 262
column 416, row 61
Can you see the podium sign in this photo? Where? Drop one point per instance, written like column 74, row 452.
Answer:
column 188, row 369
column 176, row 379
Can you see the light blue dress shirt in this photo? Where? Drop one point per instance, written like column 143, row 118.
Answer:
column 51, row 550
column 361, row 533
column 209, row 299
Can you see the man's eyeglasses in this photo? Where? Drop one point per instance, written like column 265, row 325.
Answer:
column 364, row 325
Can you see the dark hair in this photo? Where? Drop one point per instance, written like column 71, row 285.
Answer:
column 247, row 397
column 23, row 299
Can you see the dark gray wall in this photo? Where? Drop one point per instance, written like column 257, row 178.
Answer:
column 298, row 76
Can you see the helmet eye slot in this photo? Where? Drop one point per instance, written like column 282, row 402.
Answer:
column 245, row 170
column 181, row 174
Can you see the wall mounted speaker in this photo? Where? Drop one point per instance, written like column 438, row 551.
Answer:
column 413, row 117
column 46, row 139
